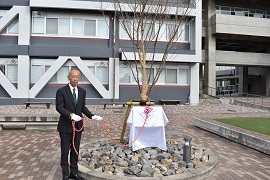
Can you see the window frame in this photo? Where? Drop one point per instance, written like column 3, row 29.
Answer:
column 46, row 63
column 155, row 67
column 123, row 34
column 71, row 17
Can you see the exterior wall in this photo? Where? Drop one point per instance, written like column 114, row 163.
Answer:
column 242, row 58
column 25, row 47
column 257, row 80
column 159, row 92
column 242, row 32
column 226, row 24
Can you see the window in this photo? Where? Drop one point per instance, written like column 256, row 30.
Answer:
column 90, row 28
column 182, row 32
column 12, row 73
column 183, row 76
column 2, row 68
column 101, row 71
column 102, row 28
column 64, row 26
column 140, row 75
column 102, row 74
column 164, row 31
column 259, row 14
column 62, row 74
column 77, row 27
column 69, row 25
column 267, row 14
column 36, row 73
column 12, row 28
column 186, row 33
column 162, row 77
column 225, row 10
column 126, row 23
column 9, row 68
column 40, row 66
column 149, row 31
column 38, row 25
column 51, row 26
column 169, row 76
column 124, row 74
column 239, row 11
column 59, row 77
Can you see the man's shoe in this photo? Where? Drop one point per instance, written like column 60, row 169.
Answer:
column 65, row 178
column 77, row 177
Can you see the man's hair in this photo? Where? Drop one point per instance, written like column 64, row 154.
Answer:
column 74, row 69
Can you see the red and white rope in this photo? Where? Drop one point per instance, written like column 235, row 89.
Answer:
column 147, row 110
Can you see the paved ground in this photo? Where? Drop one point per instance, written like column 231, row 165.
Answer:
column 27, row 155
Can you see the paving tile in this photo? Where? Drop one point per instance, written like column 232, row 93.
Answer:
column 35, row 154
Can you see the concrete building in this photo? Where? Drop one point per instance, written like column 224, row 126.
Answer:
column 41, row 41
column 236, row 34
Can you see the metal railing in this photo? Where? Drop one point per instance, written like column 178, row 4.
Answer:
column 239, row 11
column 252, row 99
column 219, row 91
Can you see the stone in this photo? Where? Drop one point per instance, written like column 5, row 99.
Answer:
column 146, row 156
column 134, row 170
column 204, row 159
column 108, row 172
column 128, row 152
column 182, row 164
column 174, row 165
column 178, row 171
column 108, row 158
column 190, row 165
column 118, row 171
column 98, row 170
column 145, row 174
column 121, row 162
column 174, row 158
column 170, row 172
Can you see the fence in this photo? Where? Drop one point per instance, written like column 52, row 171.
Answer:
column 252, row 99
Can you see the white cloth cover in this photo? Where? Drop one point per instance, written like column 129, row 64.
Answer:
column 153, row 134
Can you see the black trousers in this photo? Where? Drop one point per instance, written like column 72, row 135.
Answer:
column 66, row 147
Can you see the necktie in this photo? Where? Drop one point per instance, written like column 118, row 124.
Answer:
column 74, row 96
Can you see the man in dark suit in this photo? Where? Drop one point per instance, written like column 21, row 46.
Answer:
column 70, row 103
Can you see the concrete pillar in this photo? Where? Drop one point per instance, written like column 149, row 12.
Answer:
column 243, row 80
column 267, row 83
column 194, row 84
column 200, row 80
column 23, row 76
column 210, row 48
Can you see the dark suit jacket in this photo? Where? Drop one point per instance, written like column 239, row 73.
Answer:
column 65, row 106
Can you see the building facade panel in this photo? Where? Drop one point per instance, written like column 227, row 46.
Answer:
column 49, row 38
column 225, row 24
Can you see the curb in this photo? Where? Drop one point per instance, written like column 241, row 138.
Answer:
column 196, row 174
column 259, row 144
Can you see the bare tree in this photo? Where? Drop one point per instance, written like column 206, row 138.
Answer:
column 153, row 29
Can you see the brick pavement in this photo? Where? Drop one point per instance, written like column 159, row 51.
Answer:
column 27, row 155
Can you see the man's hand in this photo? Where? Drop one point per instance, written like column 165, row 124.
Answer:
column 96, row 117
column 76, row 117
